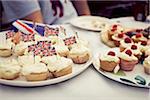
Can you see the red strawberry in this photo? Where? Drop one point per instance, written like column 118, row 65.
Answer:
column 144, row 43
column 133, row 47
column 120, row 35
column 129, row 52
column 111, row 53
column 127, row 40
column 138, row 35
column 138, row 30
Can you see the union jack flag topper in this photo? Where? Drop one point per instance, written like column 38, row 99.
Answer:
column 44, row 44
column 20, row 25
column 70, row 40
column 49, row 52
column 10, row 34
column 31, row 48
column 51, row 31
column 27, row 37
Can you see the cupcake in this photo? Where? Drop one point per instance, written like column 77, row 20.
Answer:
column 28, row 60
column 136, row 50
column 127, row 60
column 138, row 38
column 147, row 52
column 117, row 38
column 62, row 50
column 79, row 54
column 114, row 29
column 125, row 43
column 109, row 62
column 6, row 48
column 9, row 70
column 35, row 72
column 58, row 66
column 146, row 65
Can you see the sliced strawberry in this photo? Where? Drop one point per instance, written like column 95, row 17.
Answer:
column 144, row 43
column 114, row 26
column 113, row 29
column 127, row 40
column 138, row 35
column 111, row 53
column 129, row 52
column 133, row 47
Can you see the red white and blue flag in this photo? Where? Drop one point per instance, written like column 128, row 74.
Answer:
column 70, row 40
column 10, row 34
column 51, row 31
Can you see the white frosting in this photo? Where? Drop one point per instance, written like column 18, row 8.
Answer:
column 126, row 57
column 6, row 45
column 40, row 38
column 57, row 63
column 109, row 58
column 10, row 66
column 142, row 38
column 146, row 62
column 61, row 48
column 118, row 30
column 147, row 52
column 26, row 60
column 123, row 44
column 79, row 50
column 34, row 68
column 136, row 51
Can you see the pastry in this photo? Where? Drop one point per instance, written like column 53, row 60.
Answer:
column 79, row 54
column 35, row 72
column 127, row 60
column 125, row 43
column 58, row 66
column 62, row 50
column 138, row 38
column 109, row 62
column 9, row 70
column 146, row 65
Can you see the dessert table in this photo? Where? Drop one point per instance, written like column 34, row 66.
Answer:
column 86, row 86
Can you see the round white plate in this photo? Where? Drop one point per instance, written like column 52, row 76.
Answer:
column 77, row 69
column 93, row 23
column 128, row 78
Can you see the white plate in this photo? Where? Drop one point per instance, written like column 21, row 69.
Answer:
column 124, row 76
column 77, row 69
column 93, row 23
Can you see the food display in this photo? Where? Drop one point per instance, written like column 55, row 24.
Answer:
column 29, row 55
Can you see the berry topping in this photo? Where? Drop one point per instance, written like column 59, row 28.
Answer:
column 144, row 43
column 129, row 52
column 139, row 30
column 111, row 53
column 120, row 35
column 138, row 35
column 133, row 47
column 127, row 40
column 114, row 26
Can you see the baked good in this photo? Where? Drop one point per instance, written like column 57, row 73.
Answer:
column 127, row 60
column 35, row 72
column 9, row 70
column 62, row 50
column 138, row 38
column 6, row 48
column 125, row 43
column 58, row 66
column 136, row 50
column 109, row 61
column 146, row 65
column 79, row 54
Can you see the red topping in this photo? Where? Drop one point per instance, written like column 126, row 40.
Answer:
column 138, row 30
column 114, row 26
column 111, row 53
column 120, row 35
column 129, row 52
column 144, row 43
column 133, row 47
column 127, row 40
column 138, row 35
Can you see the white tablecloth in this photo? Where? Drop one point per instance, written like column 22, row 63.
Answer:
column 89, row 85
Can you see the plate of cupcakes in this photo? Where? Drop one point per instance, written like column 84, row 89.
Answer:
column 33, row 54
column 130, row 66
